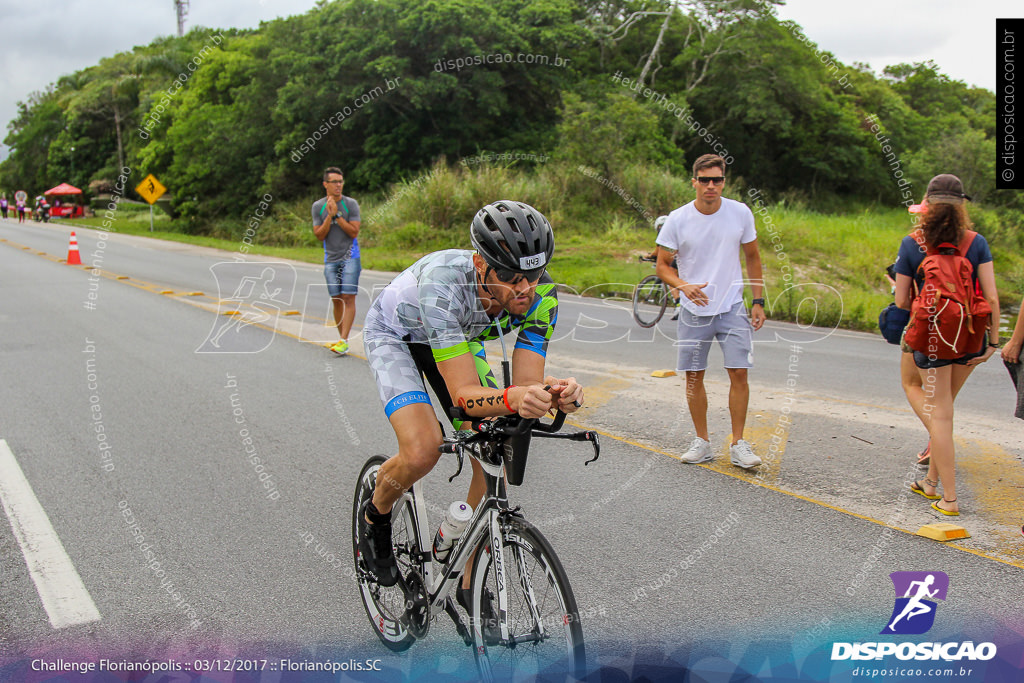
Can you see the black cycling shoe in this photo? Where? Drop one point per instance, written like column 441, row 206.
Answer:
column 375, row 547
column 491, row 629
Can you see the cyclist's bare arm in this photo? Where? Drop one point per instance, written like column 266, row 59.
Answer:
column 460, row 376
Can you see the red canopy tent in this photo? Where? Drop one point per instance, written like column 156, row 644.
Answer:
column 67, row 210
column 64, row 188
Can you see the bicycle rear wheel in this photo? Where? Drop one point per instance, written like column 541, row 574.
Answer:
column 386, row 606
column 649, row 301
column 545, row 634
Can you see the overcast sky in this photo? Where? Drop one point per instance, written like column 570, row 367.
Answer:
column 43, row 40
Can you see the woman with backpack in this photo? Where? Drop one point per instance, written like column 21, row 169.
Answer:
column 953, row 326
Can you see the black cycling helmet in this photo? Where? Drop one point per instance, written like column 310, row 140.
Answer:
column 513, row 236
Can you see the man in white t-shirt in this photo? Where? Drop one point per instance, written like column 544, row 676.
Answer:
column 705, row 237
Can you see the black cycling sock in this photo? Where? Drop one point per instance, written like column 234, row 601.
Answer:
column 375, row 516
column 465, row 597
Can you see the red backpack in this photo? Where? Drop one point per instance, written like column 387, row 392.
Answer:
column 949, row 316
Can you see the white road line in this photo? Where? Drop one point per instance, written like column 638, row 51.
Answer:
column 64, row 596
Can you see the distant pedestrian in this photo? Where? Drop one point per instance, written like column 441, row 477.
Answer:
column 336, row 223
column 3, row 207
column 705, row 238
column 945, row 221
column 1012, row 360
column 21, row 211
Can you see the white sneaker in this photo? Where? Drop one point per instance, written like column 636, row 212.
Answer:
column 700, row 451
column 742, row 455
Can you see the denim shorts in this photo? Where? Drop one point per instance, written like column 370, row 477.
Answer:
column 922, row 361
column 343, row 276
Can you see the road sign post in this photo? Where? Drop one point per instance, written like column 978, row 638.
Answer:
column 151, row 190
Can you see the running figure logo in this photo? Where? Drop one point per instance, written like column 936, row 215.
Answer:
column 914, row 611
column 259, row 292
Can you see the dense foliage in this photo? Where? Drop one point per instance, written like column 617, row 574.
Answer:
column 387, row 88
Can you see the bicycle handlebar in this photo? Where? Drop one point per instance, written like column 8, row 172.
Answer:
column 507, row 425
column 513, row 425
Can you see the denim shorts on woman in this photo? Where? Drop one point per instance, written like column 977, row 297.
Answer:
column 922, row 360
column 732, row 331
column 343, row 276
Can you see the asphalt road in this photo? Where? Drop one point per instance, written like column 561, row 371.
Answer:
column 705, row 567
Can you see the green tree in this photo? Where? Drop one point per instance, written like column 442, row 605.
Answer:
column 39, row 122
column 611, row 133
column 215, row 143
column 446, row 100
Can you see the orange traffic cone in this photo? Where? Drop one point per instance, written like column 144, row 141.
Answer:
column 74, row 259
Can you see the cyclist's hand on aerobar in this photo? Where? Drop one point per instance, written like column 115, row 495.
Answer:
column 534, row 400
column 566, row 394
column 695, row 293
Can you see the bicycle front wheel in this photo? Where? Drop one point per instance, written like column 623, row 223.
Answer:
column 545, row 637
column 649, row 301
column 386, row 606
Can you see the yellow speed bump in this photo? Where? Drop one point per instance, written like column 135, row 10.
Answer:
column 231, row 313
column 663, row 373
column 943, row 531
column 195, row 294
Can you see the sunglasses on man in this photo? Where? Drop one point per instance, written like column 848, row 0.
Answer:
column 514, row 277
column 714, row 180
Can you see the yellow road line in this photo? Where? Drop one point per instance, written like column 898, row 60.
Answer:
column 746, row 477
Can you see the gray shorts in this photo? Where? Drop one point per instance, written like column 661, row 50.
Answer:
column 731, row 330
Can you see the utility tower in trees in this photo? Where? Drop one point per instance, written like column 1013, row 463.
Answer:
column 181, row 7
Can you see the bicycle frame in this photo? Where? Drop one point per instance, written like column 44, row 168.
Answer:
column 486, row 446
column 485, row 520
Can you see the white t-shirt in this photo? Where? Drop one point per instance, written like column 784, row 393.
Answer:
column 708, row 250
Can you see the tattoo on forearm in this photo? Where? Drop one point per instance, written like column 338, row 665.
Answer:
column 479, row 402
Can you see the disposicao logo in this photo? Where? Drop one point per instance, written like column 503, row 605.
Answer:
column 913, row 614
column 916, row 592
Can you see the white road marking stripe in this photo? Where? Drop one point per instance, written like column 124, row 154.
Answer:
column 64, row 596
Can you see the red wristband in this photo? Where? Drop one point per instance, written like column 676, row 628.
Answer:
column 504, row 397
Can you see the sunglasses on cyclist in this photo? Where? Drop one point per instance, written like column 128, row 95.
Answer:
column 514, row 277
column 714, row 180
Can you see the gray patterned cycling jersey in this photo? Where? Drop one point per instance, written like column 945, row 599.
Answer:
column 435, row 301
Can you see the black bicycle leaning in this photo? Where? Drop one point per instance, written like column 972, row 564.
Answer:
column 650, row 299
column 524, row 619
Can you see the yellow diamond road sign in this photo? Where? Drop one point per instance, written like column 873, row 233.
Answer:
column 150, row 189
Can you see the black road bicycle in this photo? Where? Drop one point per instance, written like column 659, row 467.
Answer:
column 524, row 618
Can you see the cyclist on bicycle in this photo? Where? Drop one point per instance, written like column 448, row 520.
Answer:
column 433, row 319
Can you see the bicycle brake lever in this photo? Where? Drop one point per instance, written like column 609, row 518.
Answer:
column 593, row 438
column 462, row 458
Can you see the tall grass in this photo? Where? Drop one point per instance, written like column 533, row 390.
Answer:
column 835, row 260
